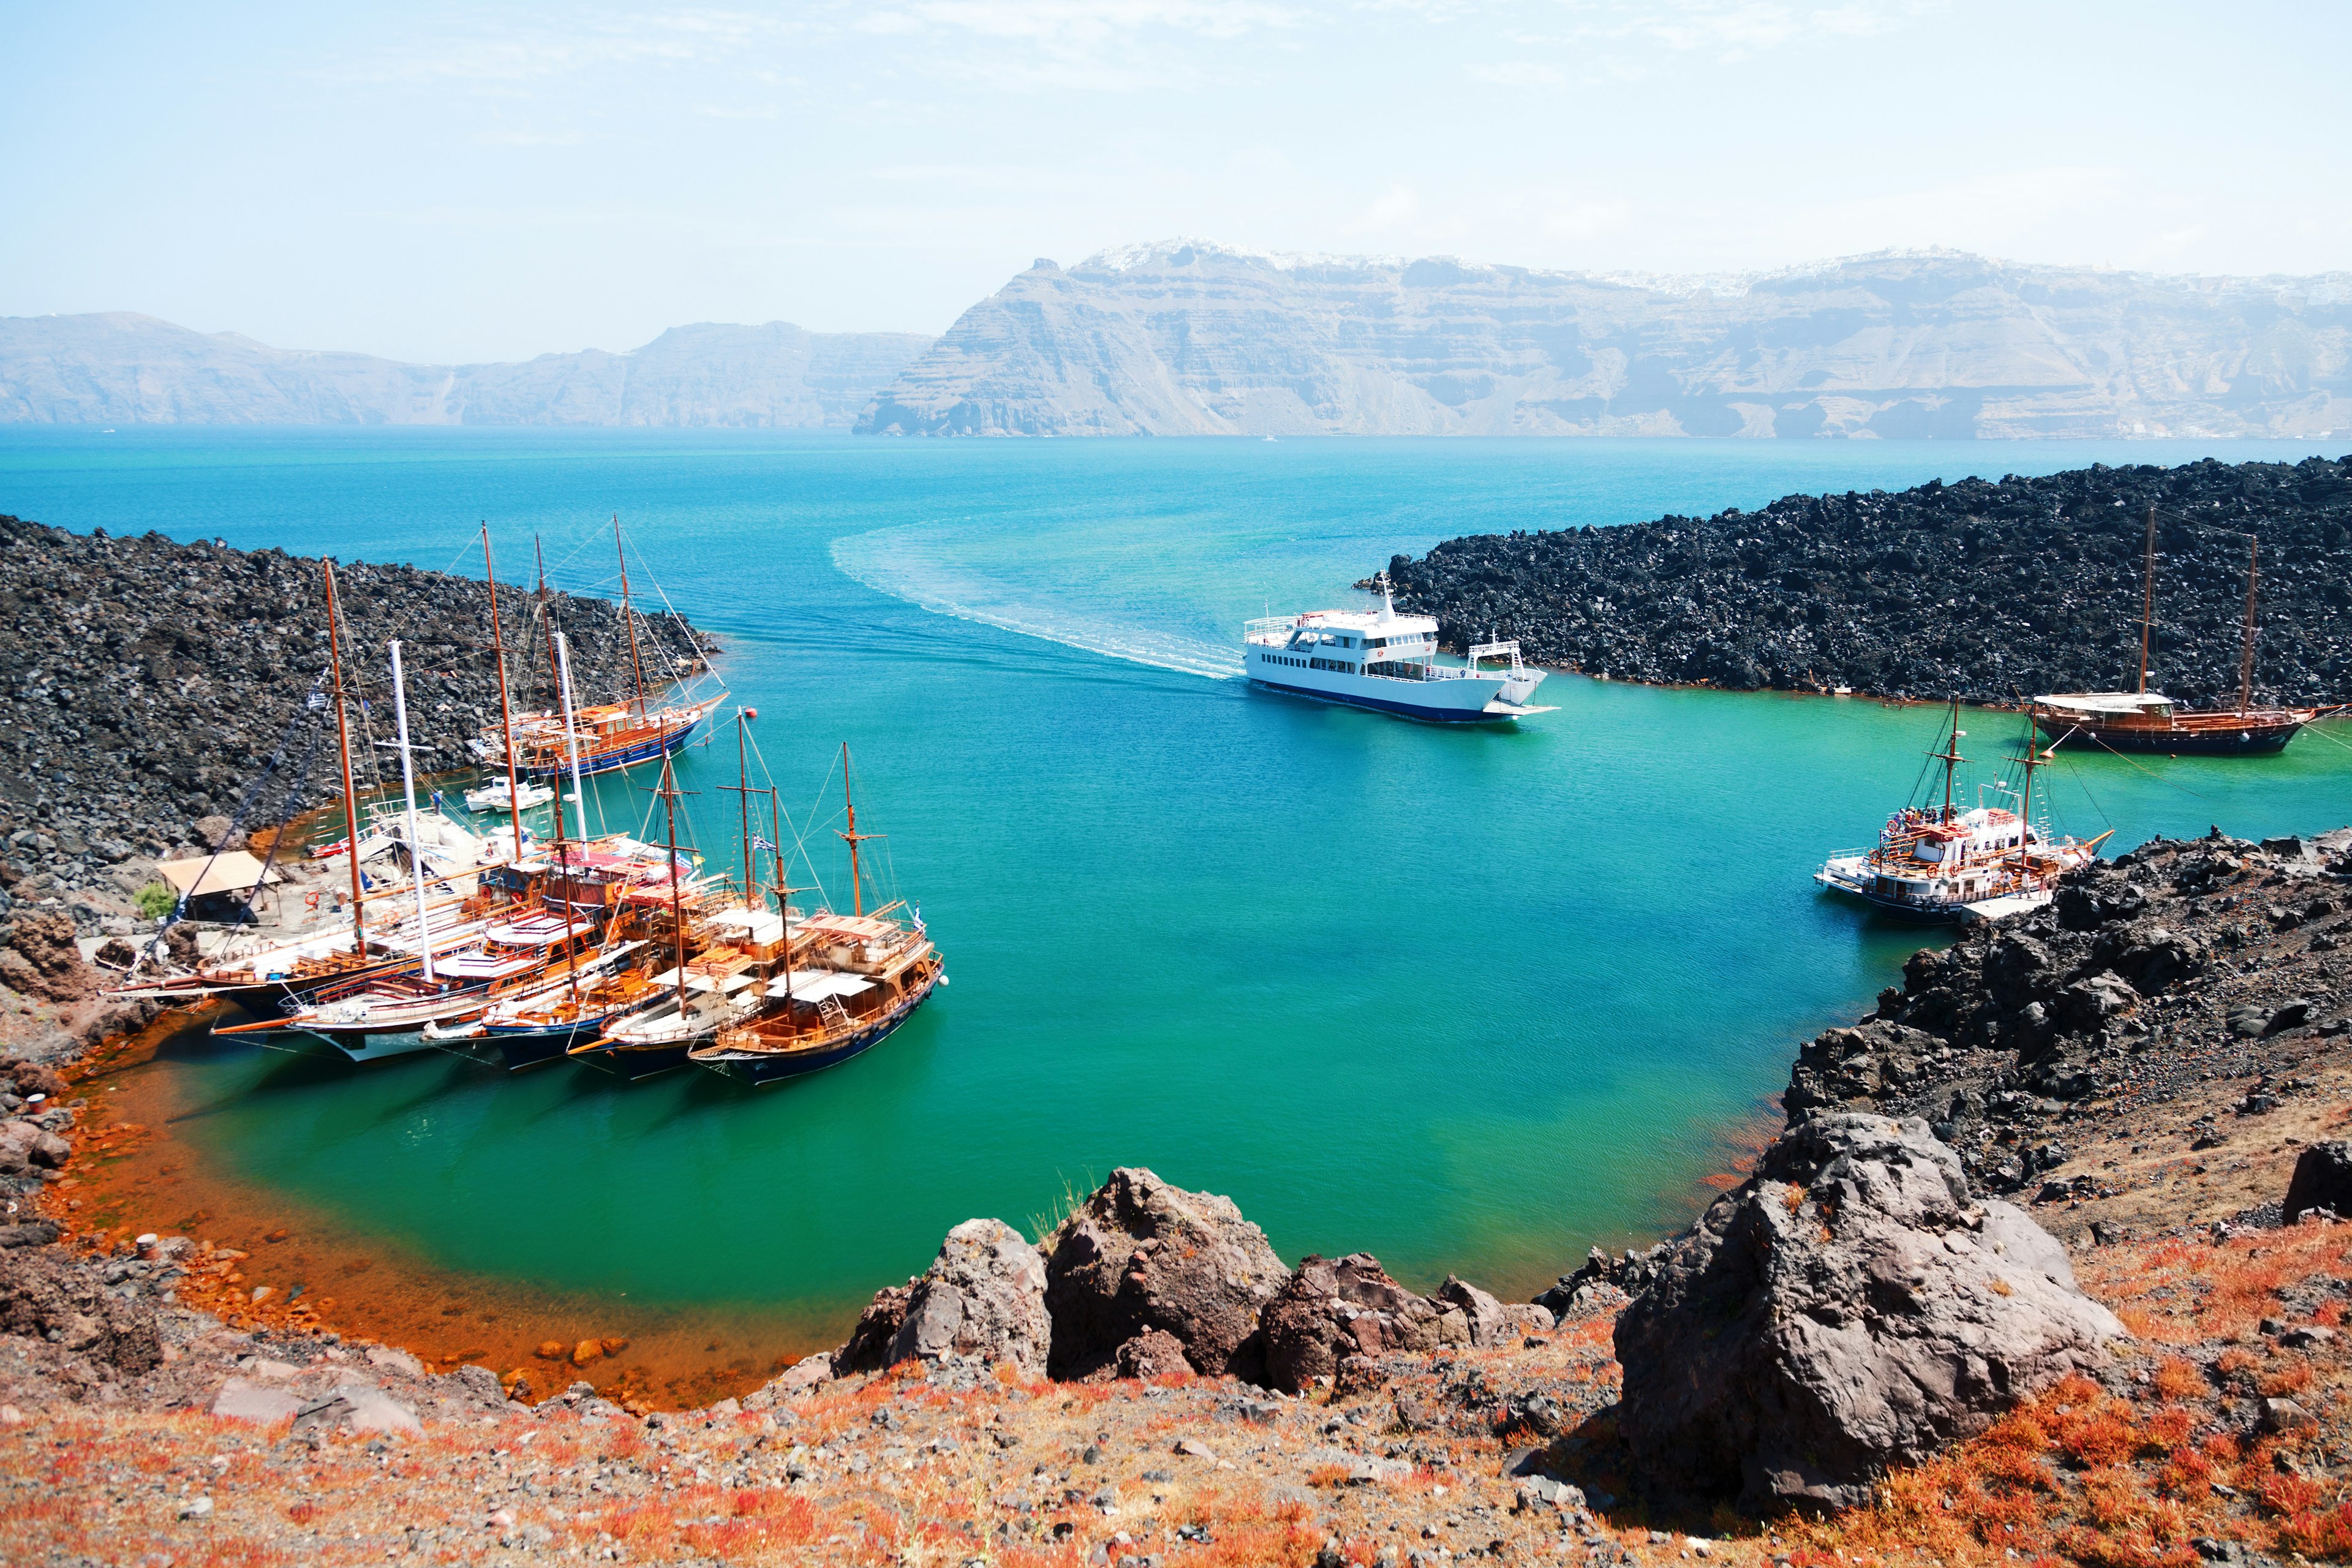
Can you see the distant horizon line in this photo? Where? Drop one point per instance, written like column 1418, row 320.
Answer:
column 1118, row 258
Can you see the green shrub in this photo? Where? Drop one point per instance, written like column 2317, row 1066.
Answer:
column 155, row 901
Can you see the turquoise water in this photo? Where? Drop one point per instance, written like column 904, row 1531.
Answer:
column 1467, row 1000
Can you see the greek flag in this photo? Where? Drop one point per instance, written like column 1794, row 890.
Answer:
column 919, row 918
column 759, row 843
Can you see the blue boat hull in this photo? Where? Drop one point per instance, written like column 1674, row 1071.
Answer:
column 610, row 762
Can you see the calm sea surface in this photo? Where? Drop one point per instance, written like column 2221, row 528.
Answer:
column 1467, row 1000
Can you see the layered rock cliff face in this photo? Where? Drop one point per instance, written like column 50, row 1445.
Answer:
column 1980, row 590
column 122, row 368
column 1194, row 338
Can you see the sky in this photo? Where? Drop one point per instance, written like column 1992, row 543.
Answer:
column 485, row 181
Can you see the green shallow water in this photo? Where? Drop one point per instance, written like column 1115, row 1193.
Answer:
column 1471, row 1001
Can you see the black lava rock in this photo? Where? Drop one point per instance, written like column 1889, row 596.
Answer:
column 1985, row 591
column 145, row 684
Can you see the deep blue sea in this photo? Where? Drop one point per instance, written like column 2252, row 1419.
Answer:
column 1471, row 1001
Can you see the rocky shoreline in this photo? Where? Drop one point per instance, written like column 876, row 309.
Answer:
column 2137, row 1361
column 147, row 685
column 1989, row 591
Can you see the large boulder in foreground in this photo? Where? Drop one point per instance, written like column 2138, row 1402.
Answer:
column 1140, row 1257
column 1849, row 1308
column 2322, row 1180
column 1331, row 1309
column 982, row 1297
column 44, row 1297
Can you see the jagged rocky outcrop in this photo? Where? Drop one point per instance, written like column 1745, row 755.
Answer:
column 120, row 368
column 145, row 685
column 982, row 1297
column 1189, row 338
column 2322, row 1182
column 1140, row 1257
column 1981, row 590
column 2182, row 962
column 1851, row 1306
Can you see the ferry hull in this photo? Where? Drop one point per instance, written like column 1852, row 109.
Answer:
column 1909, row 913
column 2247, row 741
column 1426, row 713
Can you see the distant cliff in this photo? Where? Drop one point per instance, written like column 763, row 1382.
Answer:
column 1192, row 338
column 122, row 368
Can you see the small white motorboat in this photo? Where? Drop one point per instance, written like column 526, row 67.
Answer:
column 493, row 796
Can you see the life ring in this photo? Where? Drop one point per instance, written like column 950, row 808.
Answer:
column 310, row 902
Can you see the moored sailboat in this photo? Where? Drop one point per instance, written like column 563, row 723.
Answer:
column 2150, row 721
column 847, row 982
column 1942, row 863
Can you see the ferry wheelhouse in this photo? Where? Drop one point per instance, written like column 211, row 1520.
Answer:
column 1380, row 660
column 1936, row 863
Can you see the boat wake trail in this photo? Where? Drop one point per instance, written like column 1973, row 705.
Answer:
column 914, row 562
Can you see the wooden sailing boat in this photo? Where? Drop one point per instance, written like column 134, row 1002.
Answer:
column 2144, row 720
column 718, row 985
column 607, row 735
column 1940, row 863
column 848, row 981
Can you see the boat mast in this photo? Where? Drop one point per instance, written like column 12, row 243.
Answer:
column 676, row 902
column 351, row 796
column 2246, row 659
column 783, row 892
column 742, row 792
column 2148, row 599
column 1951, row 758
column 571, row 733
column 2033, row 759
column 408, row 792
column 563, row 849
column 854, row 838
column 628, row 617
column 506, row 711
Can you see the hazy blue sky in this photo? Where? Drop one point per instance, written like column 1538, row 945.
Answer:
column 496, row 181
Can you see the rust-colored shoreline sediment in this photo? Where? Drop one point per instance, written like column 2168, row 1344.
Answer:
column 317, row 1273
column 266, row 1261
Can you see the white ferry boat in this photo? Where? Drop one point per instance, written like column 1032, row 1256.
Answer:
column 1378, row 658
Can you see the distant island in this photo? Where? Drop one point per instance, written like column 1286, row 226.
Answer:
column 1191, row 339
column 119, row 368
column 1186, row 338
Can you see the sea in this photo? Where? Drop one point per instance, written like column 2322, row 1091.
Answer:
column 1470, row 1000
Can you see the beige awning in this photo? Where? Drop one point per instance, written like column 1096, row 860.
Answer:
column 232, row 872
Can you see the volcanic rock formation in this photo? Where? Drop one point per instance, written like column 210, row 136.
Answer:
column 1140, row 1257
column 146, row 685
column 1849, row 1308
column 1988, row 592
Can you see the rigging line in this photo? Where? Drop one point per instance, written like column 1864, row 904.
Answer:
column 675, row 677
column 2159, row 778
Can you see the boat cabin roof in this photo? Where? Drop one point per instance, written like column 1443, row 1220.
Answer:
column 856, row 928
column 2107, row 701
